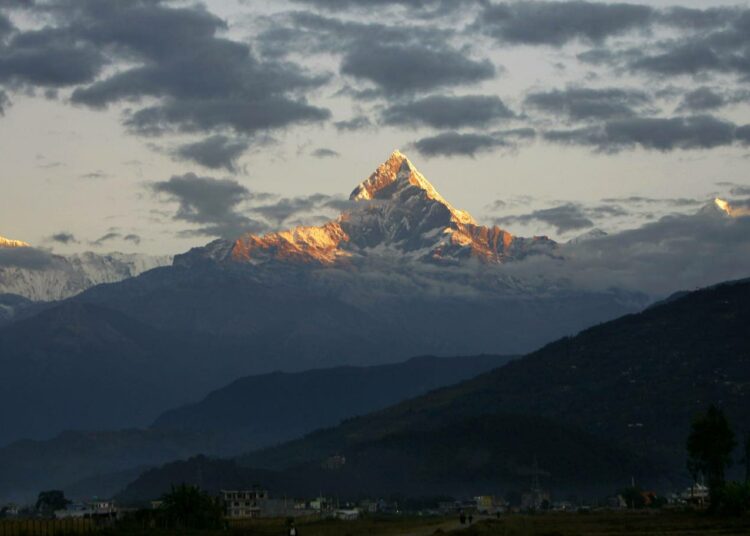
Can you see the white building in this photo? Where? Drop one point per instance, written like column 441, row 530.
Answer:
column 347, row 515
column 243, row 504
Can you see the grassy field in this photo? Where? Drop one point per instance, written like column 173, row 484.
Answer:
column 593, row 524
column 610, row 524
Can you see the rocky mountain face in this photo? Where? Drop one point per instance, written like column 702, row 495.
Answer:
column 394, row 211
column 48, row 277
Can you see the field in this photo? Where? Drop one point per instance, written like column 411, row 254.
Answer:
column 611, row 524
column 593, row 524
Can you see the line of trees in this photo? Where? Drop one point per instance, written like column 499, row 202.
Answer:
column 710, row 446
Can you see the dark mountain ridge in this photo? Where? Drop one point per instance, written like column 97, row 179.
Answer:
column 251, row 412
column 637, row 380
column 616, row 399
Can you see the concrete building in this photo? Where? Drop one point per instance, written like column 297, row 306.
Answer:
column 243, row 504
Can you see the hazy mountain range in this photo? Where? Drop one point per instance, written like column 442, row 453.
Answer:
column 38, row 275
column 593, row 411
column 399, row 273
column 251, row 412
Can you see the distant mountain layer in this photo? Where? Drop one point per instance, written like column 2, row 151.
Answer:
column 289, row 405
column 399, row 273
column 83, row 366
column 491, row 454
column 630, row 388
column 40, row 276
column 249, row 413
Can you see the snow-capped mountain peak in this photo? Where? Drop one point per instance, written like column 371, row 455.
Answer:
column 396, row 211
column 724, row 208
column 593, row 234
column 8, row 243
column 62, row 276
column 396, row 174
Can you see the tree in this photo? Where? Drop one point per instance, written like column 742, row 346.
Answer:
column 187, row 507
column 49, row 501
column 710, row 446
column 633, row 496
column 746, row 459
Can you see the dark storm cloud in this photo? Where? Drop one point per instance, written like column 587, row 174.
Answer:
column 107, row 237
column 210, row 203
column 286, row 208
column 174, row 54
column 701, row 100
column 5, row 25
column 214, row 152
column 400, row 69
column 5, row 102
column 244, row 116
column 63, row 237
column 115, row 235
column 690, row 251
column 16, row 3
column 27, row 257
column 324, row 152
column 134, row 238
column 448, row 112
column 99, row 174
column 556, row 23
column 457, row 144
column 360, row 122
column 688, row 58
column 642, row 200
column 304, row 32
column 696, row 19
column 424, row 8
column 564, row 218
column 660, row 134
column 367, row 4
column 743, row 134
column 581, row 104
column 49, row 57
column 719, row 42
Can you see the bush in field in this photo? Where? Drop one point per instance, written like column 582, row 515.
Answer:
column 187, row 507
column 734, row 499
column 49, row 501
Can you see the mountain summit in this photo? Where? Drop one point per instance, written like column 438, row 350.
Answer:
column 8, row 243
column 398, row 173
column 396, row 212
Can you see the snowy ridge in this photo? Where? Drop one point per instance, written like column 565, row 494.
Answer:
column 8, row 243
column 397, row 211
column 66, row 276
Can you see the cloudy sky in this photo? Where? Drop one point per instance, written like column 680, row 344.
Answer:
column 147, row 125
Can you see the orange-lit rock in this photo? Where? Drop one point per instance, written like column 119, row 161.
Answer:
column 8, row 243
column 302, row 244
column 396, row 211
